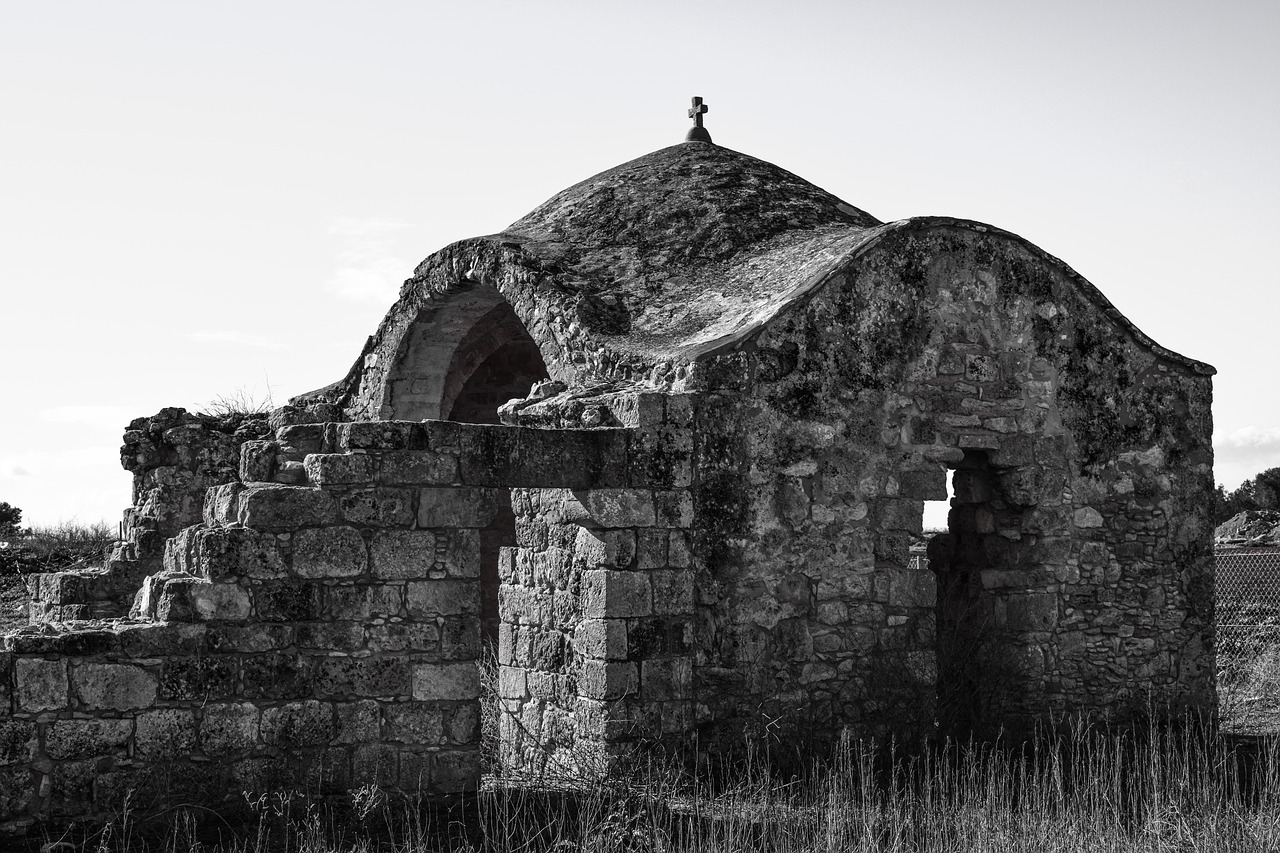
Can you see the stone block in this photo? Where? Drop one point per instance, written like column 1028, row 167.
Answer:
column 459, row 638
column 612, row 594
column 923, row 484
column 418, row 468
column 651, row 549
column 345, row 637
column 381, row 507
column 1086, row 517
column 339, row 469
column 603, row 639
column 376, row 764
column 618, row 507
column 165, row 734
column 276, row 507
column 298, row 724
column 673, row 509
column 462, row 506
column 234, row 552
column 40, row 685
column 666, row 680
column 1031, row 612
column 403, row 636
column 18, row 742
column 678, row 552
column 251, row 637
column 386, row 678
column 607, row 680
column 605, row 549
column 1012, row 451
column 414, row 722
column 201, row 677
column 450, row 682
column 329, row 552
column 287, row 601
column 404, row 554
column 222, row 504
column 213, row 602
column 462, row 724
column 374, row 435
column 357, row 722
column 275, row 675
column 672, row 591
column 113, row 686
column 979, row 441
column 87, row 738
column 258, row 461
column 442, row 598
column 512, row 682
column 654, row 638
column 363, row 602
column 229, row 728
column 458, row 552
column 302, row 438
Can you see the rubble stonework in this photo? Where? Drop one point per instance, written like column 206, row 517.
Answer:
column 664, row 444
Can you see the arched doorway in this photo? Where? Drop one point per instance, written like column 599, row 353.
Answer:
column 461, row 359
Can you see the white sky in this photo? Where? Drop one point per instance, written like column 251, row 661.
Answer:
column 204, row 200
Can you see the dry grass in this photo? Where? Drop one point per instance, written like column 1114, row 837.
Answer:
column 1137, row 790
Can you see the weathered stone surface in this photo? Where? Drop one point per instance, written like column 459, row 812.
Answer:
column 329, row 552
column 404, row 554
column 339, row 469
column 118, row 687
column 278, row 507
column 456, row 507
column 449, row 681
column 379, row 507
column 442, row 598
column 87, row 738
column 229, row 728
column 40, row 685
column 298, row 724
column 619, row 507
column 165, row 734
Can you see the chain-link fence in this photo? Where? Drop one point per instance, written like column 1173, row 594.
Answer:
column 1248, row 605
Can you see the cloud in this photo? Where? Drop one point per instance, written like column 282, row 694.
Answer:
column 1242, row 453
column 229, row 336
column 110, row 417
column 368, row 268
column 18, row 471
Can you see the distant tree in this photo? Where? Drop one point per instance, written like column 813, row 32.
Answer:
column 1260, row 492
column 10, row 518
column 1266, row 489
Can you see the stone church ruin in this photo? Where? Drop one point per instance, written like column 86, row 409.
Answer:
column 663, row 444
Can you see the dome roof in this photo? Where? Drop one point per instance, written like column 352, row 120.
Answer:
column 682, row 246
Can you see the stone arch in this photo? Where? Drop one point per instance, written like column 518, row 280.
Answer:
column 461, row 358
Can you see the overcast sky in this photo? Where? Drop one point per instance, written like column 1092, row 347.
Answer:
column 220, row 199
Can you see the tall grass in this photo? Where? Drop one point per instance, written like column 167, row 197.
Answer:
column 1157, row 790
column 54, row 547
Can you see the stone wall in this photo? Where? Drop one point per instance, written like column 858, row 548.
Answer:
column 175, row 456
column 1077, row 574
column 596, row 649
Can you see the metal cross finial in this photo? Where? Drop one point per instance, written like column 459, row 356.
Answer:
column 697, row 133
